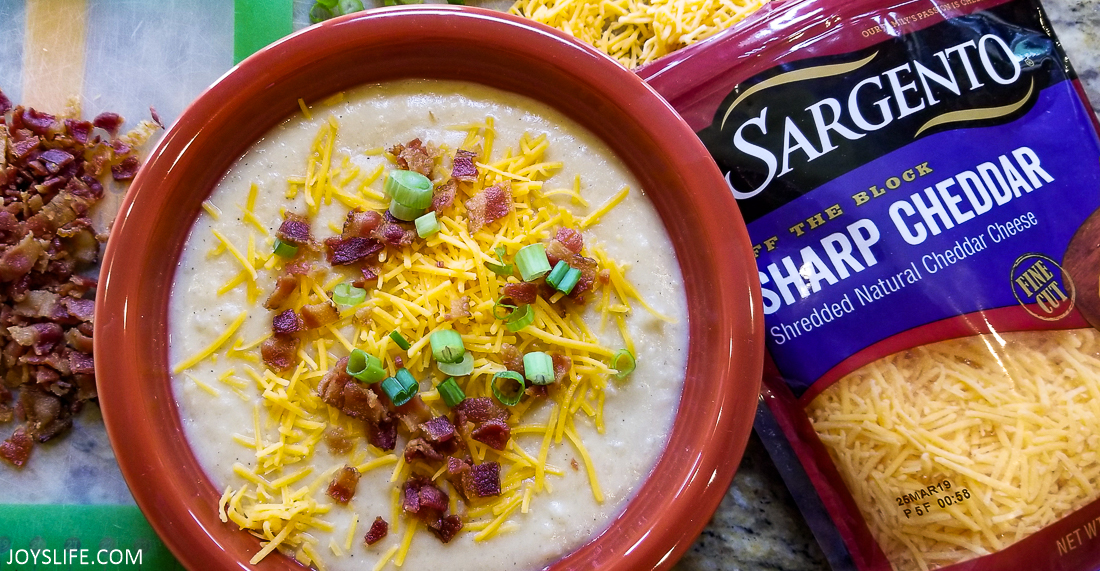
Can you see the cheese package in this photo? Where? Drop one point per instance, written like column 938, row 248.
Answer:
column 921, row 181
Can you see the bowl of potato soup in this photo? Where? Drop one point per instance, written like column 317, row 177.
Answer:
column 428, row 286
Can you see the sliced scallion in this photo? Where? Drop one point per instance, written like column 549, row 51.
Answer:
column 502, row 310
column 532, row 262
column 409, row 188
column 623, row 362
column 349, row 6
column 401, row 387
column 427, row 225
column 284, row 250
column 501, row 269
column 365, row 367
column 538, row 367
column 556, row 274
column 318, row 13
column 451, row 393
column 447, row 346
column 400, row 340
column 570, row 280
column 347, row 294
column 406, row 213
column 520, row 318
column 459, row 369
column 508, row 387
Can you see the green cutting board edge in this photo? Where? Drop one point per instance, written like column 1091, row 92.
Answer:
column 116, row 535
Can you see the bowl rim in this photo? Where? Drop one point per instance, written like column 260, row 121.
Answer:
column 636, row 538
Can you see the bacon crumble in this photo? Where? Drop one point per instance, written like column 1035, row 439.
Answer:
column 344, row 251
column 463, row 167
column 294, row 230
column 415, row 156
column 378, row 530
column 343, row 484
column 489, row 205
column 50, row 170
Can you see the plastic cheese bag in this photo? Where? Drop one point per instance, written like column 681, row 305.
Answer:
column 921, row 182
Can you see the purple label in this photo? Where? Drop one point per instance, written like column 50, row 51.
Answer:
column 939, row 228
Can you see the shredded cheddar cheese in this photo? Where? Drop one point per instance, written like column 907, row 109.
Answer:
column 636, row 32
column 413, row 295
column 964, row 447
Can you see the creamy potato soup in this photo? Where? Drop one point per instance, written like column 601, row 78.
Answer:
column 538, row 250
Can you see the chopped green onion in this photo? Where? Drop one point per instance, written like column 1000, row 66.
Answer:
column 400, row 339
column 401, row 387
column 447, row 346
column 501, row 269
column 623, row 362
column 327, row 3
column 557, row 273
column 409, row 188
column 520, row 318
column 365, row 367
column 427, row 225
column 319, row 14
column 451, row 393
column 563, row 277
column 347, row 294
column 284, row 250
column 402, row 212
column 508, row 393
column 570, row 280
column 532, row 262
column 497, row 306
column 458, row 2
column 538, row 367
column 459, row 369
column 349, row 6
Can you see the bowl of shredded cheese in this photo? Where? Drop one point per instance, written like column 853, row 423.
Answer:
column 429, row 284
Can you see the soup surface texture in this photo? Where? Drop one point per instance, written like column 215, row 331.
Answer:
column 563, row 480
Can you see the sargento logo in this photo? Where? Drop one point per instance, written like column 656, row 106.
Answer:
column 796, row 128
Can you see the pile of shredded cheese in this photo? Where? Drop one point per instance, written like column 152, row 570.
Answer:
column 1012, row 419
column 282, row 497
column 636, row 32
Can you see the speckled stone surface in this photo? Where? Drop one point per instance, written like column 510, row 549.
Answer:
column 1077, row 24
column 757, row 526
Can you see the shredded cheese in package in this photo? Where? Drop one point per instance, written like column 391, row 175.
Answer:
column 929, row 266
column 998, row 435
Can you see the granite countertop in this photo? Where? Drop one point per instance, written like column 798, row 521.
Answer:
column 757, row 526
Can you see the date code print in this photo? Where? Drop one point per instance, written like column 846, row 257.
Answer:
column 924, row 500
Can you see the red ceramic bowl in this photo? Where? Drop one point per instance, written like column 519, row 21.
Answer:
column 726, row 330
